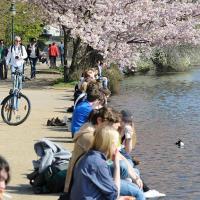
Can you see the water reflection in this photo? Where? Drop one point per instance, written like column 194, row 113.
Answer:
column 166, row 108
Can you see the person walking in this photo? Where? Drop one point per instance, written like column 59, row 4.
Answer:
column 33, row 55
column 3, row 66
column 16, row 55
column 61, row 50
column 53, row 53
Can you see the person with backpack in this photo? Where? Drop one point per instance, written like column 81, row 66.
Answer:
column 16, row 55
column 33, row 55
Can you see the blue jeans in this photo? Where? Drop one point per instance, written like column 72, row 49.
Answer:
column 62, row 59
column 127, row 188
column 131, row 189
column 33, row 62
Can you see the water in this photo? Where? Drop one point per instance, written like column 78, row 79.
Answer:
column 166, row 108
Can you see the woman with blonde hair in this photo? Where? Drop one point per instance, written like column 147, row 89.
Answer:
column 92, row 178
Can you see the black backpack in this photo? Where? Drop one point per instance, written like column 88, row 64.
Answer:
column 52, row 180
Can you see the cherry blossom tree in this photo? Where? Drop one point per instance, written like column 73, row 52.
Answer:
column 121, row 29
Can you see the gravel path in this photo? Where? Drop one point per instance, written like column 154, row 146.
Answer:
column 16, row 143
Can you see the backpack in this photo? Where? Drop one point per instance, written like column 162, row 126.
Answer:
column 52, row 180
column 13, row 46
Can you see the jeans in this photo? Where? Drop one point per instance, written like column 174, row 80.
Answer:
column 53, row 61
column 33, row 62
column 62, row 59
column 127, row 188
column 19, row 86
column 130, row 189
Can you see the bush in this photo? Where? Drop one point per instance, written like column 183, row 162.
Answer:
column 114, row 76
column 171, row 59
column 144, row 65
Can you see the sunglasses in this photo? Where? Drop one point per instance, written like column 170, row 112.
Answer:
column 17, row 40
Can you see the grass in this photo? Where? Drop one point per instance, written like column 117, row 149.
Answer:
column 59, row 83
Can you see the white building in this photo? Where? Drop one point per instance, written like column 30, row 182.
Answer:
column 52, row 30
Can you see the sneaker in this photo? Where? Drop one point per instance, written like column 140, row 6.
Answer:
column 153, row 194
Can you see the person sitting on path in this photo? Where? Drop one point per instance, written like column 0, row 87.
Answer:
column 128, row 142
column 33, row 55
column 84, row 140
column 84, row 108
column 95, row 180
column 4, row 176
column 16, row 55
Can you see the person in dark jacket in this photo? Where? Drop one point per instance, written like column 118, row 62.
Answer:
column 33, row 55
column 3, row 66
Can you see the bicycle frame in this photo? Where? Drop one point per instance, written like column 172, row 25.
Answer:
column 16, row 88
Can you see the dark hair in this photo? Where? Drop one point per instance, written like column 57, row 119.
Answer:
column 92, row 91
column 5, row 166
column 33, row 40
column 126, row 116
column 106, row 113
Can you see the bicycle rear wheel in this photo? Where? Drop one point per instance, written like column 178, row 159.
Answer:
column 15, row 109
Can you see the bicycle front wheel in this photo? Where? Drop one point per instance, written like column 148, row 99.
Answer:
column 15, row 109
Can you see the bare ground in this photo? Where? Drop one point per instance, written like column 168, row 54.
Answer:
column 16, row 142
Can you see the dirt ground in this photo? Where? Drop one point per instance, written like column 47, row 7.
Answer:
column 16, row 142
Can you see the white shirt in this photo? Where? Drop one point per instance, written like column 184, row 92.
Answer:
column 19, row 51
column 33, row 55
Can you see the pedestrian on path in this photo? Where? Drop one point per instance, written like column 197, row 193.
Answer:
column 3, row 66
column 53, row 53
column 61, row 50
column 33, row 55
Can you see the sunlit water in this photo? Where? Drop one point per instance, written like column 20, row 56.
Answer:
column 166, row 108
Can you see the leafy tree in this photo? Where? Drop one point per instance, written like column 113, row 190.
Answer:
column 27, row 22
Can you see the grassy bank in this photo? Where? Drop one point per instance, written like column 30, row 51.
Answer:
column 170, row 59
column 59, row 83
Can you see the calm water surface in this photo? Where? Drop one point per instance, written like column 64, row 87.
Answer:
column 166, row 108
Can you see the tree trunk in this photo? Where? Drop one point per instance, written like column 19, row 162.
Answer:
column 66, row 46
column 76, row 45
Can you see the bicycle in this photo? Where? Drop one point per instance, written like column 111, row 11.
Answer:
column 16, row 106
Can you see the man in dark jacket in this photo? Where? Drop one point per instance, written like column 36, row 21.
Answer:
column 33, row 55
column 3, row 66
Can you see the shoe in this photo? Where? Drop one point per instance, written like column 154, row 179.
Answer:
column 48, row 122
column 51, row 122
column 153, row 194
column 70, row 109
column 57, row 121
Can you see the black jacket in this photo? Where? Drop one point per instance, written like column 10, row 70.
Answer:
column 37, row 51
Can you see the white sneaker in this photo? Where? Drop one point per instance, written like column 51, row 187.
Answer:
column 153, row 194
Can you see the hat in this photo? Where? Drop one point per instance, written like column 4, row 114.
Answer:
column 126, row 116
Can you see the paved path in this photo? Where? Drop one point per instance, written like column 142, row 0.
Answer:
column 16, row 143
